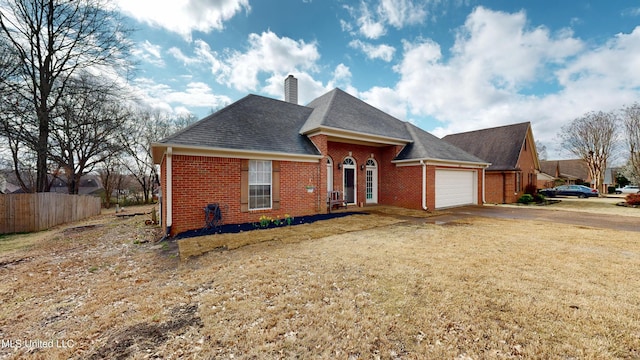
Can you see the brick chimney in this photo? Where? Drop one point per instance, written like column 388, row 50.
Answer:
column 291, row 89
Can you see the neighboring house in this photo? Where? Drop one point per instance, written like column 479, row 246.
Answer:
column 512, row 153
column 574, row 171
column 89, row 185
column 261, row 156
column 546, row 181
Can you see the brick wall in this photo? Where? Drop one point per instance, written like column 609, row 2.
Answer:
column 501, row 186
column 200, row 180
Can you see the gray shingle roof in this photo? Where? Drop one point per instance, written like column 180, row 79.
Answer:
column 256, row 123
column 337, row 109
column 500, row 146
column 573, row 168
column 251, row 123
column 428, row 146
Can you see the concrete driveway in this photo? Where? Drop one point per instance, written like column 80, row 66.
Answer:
column 573, row 211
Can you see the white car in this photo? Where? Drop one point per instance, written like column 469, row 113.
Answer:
column 628, row 189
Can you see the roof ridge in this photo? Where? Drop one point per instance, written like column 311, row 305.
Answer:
column 491, row 128
column 414, row 137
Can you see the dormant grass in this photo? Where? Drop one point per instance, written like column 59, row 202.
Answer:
column 472, row 289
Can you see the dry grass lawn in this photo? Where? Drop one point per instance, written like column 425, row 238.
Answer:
column 473, row 289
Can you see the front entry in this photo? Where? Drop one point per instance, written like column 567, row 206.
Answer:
column 349, row 176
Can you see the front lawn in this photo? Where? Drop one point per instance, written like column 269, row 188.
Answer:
column 476, row 288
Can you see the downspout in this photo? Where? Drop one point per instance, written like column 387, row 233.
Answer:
column 424, row 186
column 169, row 195
column 484, row 201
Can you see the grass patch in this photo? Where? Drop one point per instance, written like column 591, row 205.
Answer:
column 15, row 242
column 478, row 288
column 290, row 234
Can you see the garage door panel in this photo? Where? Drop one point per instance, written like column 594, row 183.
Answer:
column 455, row 188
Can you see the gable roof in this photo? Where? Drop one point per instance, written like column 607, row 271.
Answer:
column 253, row 123
column 339, row 110
column 501, row 146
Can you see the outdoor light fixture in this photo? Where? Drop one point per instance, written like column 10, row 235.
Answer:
column 361, row 167
column 339, row 166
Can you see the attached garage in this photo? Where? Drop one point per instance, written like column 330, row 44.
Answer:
column 455, row 188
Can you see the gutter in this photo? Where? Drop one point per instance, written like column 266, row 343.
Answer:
column 484, row 184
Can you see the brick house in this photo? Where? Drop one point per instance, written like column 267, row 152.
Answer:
column 261, row 156
column 574, row 171
column 512, row 153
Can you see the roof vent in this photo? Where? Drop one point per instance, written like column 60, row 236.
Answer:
column 291, row 89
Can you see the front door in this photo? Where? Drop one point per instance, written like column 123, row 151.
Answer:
column 349, row 177
column 349, row 185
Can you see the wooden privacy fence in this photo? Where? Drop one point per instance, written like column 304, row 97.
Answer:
column 41, row 211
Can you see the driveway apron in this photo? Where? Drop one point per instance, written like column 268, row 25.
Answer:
column 627, row 223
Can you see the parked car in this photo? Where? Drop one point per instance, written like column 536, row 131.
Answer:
column 580, row 191
column 628, row 189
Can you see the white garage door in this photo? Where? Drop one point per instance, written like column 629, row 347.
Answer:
column 455, row 188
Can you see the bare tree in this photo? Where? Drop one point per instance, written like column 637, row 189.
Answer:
column 631, row 120
column 86, row 132
column 148, row 126
column 53, row 41
column 592, row 138
column 112, row 178
column 542, row 150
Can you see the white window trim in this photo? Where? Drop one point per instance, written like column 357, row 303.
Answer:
column 258, row 184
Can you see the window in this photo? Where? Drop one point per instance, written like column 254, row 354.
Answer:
column 259, row 184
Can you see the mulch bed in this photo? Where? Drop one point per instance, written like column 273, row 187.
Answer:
column 237, row 228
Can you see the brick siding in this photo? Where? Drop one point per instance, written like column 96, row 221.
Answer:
column 200, row 180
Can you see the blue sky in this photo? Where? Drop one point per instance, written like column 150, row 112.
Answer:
column 446, row 66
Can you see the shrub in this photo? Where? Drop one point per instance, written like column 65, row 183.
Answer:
column 633, row 199
column 525, row 199
column 539, row 198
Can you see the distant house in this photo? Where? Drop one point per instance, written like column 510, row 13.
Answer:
column 576, row 171
column 573, row 171
column 89, row 184
column 512, row 153
column 266, row 157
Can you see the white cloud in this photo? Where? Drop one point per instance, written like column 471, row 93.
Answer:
column 383, row 52
column 488, row 36
column 184, row 16
column 372, row 21
column 162, row 96
column 495, row 59
column 399, row 13
column 202, row 55
column 495, row 56
column 149, row 52
column 268, row 54
column 387, row 100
